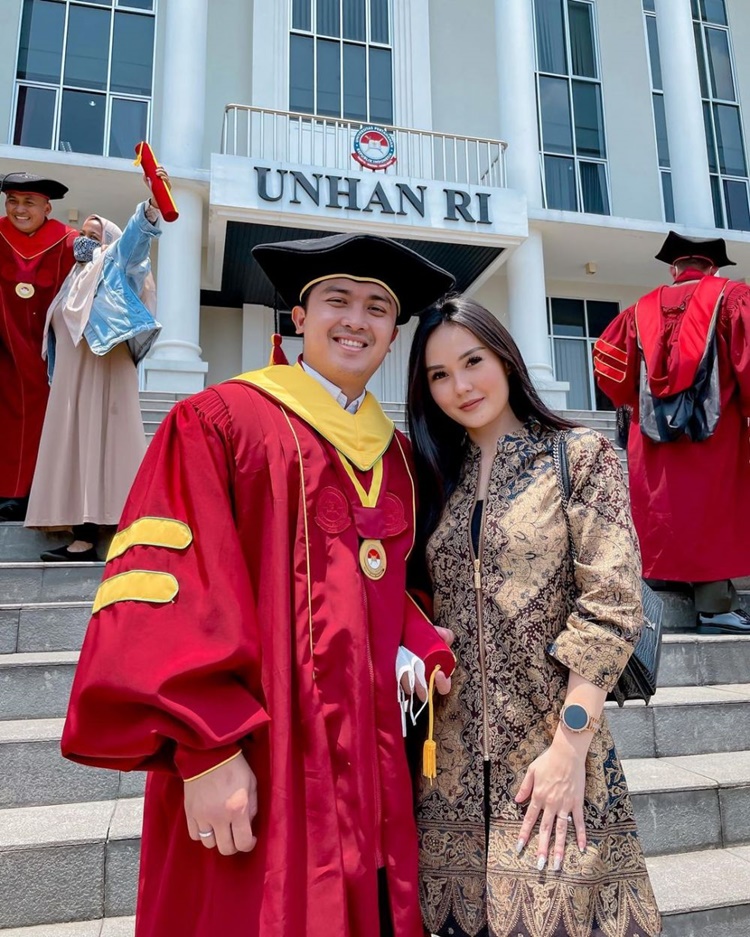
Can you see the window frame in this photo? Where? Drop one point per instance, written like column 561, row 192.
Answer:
column 367, row 44
column 570, row 78
column 665, row 170
column 61, row 86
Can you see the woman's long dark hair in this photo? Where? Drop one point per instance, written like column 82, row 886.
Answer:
column 437, row 440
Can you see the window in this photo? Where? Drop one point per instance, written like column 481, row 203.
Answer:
column 725, row 139
column 574, row 326
column 340, row 59
column 660, row 120
column 569, row 105
column 84, row 75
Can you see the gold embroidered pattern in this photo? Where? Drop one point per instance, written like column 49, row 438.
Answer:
column 536, row 605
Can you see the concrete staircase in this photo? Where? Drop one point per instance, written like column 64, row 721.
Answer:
column 69, row 836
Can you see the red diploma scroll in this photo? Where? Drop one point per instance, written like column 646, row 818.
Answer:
column 147, row 161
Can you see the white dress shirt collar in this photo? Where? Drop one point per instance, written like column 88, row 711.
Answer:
column 338, row 395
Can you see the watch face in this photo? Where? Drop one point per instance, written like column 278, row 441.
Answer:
column 575, row 717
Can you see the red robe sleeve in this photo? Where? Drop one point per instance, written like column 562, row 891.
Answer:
column 617, row 359
column 737, row 330
column 169, row 675
column 421, row 638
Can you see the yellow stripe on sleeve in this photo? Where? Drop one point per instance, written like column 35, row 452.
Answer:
column 151, row 532
column 136, row 585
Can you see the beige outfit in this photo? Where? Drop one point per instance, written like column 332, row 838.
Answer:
column 93, row 439
column 540, row 617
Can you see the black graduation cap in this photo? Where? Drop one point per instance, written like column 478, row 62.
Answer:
column 294, row 266
column 677, row 247
column 27, row 182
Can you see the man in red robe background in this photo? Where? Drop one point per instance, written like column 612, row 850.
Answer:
column 691, row 495
column 36, row 254
column 244, row 639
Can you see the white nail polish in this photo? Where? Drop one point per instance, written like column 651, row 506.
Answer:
column 556, row 864
column 541, row 863
column 519, row 846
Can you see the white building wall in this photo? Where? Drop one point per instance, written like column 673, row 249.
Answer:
column 221, row 341
column 629, row 124
column 10, row 19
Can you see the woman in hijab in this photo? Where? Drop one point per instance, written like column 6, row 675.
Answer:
column 99, row 326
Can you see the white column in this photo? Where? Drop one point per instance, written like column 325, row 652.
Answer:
column 175, row 363
column 412, row 86
column 271, row 26
column 527, row 301
column 691, row 186
column 257, row 328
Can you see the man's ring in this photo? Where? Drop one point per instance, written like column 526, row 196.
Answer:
column 206, row 834
column 567, row 818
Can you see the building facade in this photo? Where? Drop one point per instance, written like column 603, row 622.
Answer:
column 539, row 149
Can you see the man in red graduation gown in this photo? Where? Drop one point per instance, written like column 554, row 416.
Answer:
column 244, row 638
column 681, row 358
column 36, row 254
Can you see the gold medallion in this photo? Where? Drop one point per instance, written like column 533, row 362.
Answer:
column 24, row 290
column 372, row 559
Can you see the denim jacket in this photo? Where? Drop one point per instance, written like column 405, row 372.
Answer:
column 118, row 314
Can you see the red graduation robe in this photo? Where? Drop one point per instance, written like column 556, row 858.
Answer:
column 235, row 612
column 690, row 500
column 40, row 261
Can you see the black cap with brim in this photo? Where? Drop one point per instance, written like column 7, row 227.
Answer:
column 677, row 247
column 295, row 266
column 27, row 182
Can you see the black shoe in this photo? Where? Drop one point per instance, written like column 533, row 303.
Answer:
column 735, row 622
column 13, row 509
column 64, row 555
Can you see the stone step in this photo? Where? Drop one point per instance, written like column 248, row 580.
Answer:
column 43, row 626
column 154, row 415
column 691, row 802
column 679, row 610
column 33, row 582
column 35, row 773
column 683, row 721
column 104, row 927
column 69, row 862
column 703, row 660
column 35, row 686
column 703, row 894
column 19, row 544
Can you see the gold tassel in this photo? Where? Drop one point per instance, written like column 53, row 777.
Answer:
column 429, row 752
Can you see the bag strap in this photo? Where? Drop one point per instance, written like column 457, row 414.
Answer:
column 562, row 472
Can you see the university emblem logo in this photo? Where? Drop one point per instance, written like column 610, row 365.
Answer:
column 374, row 148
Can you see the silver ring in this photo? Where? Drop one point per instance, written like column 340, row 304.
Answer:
column 562, row 816
column 205, row 835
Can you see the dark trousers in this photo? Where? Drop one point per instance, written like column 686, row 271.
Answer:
column 89, row 533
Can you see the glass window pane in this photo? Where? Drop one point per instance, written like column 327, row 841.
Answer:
column 714, row 11
column 328, row 23
column 354, row 20
column 600, row 314
column 329, row 78
column 550, row 37
column 698, row 31
column 301, row 75
column 729, row 140
column 587, row 108
column 666, row 191
column 82, row 122
column 127, row 126
column 713, row 163
column 355, row 82
column 560, row 183
column 572, row 365
column 738, row 213
column 554, row 104
column 594, row 188
column 88, row 48
column 695, row 10
column 716, row 197
column 132, row 54
column 582, row 55
column 40, row 50
column 381, row 86
column 568, row 317
column 648, row 6
column 35, row 117
column 653, row 51
column 660, row 122
column 301, row 15
column 138, row 4
column 379, row 31
column 720, row 64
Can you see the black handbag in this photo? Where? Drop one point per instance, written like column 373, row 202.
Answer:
column 638, row 679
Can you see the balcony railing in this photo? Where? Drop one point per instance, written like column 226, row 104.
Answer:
column 309, row 140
